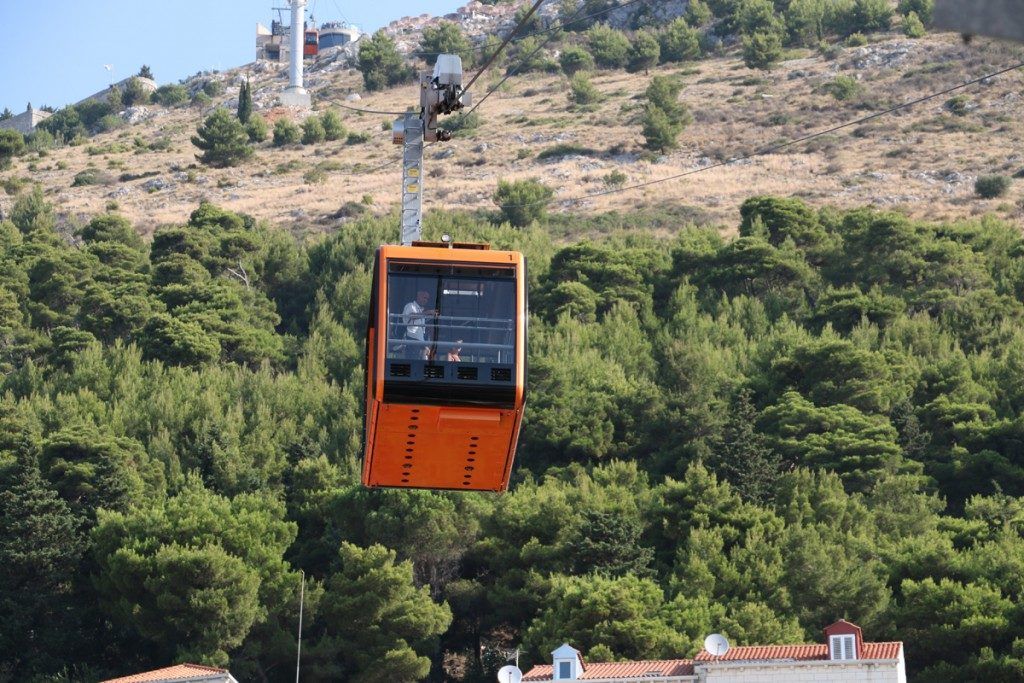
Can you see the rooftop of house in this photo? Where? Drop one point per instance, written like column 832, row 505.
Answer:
column 842, row 635
column 637, row 669
column 809, row 652
column 177, row 674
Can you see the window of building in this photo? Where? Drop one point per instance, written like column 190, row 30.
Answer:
column 843, row 647
column 564, row 670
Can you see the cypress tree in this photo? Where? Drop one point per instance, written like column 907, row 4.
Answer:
column 245, row 102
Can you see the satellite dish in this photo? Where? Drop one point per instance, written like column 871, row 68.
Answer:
column 716, row 644
column 510, row 674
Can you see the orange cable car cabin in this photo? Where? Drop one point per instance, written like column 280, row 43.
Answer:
column 445, row 367
column 311, row 43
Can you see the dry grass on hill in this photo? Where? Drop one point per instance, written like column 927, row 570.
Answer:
column 923, row 161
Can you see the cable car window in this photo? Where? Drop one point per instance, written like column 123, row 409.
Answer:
column 451, row 314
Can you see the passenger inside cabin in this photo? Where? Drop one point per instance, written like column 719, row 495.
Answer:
column 414, row 316
column 454, row 351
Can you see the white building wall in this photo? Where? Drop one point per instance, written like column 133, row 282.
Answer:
column 26, row 122
column 857, row 671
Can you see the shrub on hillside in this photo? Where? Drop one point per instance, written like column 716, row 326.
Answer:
column 664, row 115
column 643, row 53
column 286, row 133
column 575, row 59
column 913, row 27
column 663, row 93
column 12, row 144
column 610, row 48
column 844, row 88
column 446, row 38
column 522, row 201
column 171, row 95
column 922, row 8
column 528, row 55
column 64, row 126
column 661, row 133
column 40, row 141
column 959, row 105
column 213, row 88
column 108, row 123
column 758, row 16
column 380, row 62
column 762, row 50
column 679, row 42
column 257, row 129
column 582, row 91
column 698, row 13
column 334, row 129
column 92, row 176
column 91, row 112
column 991, row 186
column 223, row 140
column 805, row 22
column 135, row 93
column 863, row 16
column 313, row 131
column 462, row 122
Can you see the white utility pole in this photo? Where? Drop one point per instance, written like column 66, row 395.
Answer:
column 440, row 93
column 302, row 596
column 295, row 94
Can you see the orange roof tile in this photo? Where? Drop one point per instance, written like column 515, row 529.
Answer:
column 665, row 667
column 178, row 672
column 795, row 652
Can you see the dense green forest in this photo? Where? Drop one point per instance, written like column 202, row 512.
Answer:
column 819, row 418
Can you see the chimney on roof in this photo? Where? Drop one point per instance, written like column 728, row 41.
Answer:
column 845, row 640
column 567, row 663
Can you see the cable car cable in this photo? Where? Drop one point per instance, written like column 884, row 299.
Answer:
column 774, row 148
column 367, row 111
column 526, row 60
column 550, row 29
column 508, row 38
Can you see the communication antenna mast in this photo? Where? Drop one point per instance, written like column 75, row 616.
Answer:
column 440, row 93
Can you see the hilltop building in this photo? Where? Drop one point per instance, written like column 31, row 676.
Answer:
column 147, row 84
column 274, row 43
column 844, row 657
column 26, row 122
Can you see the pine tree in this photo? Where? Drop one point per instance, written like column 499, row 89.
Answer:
column 762, row 50
column 223, row 140
column 40, row 547
column 744, row 457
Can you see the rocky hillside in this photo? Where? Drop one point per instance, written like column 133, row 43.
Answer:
column 923, row 161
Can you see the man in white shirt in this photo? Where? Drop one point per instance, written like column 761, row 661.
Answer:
column 414, row 315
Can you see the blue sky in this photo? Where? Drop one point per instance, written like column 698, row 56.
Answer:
column 53, row 51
